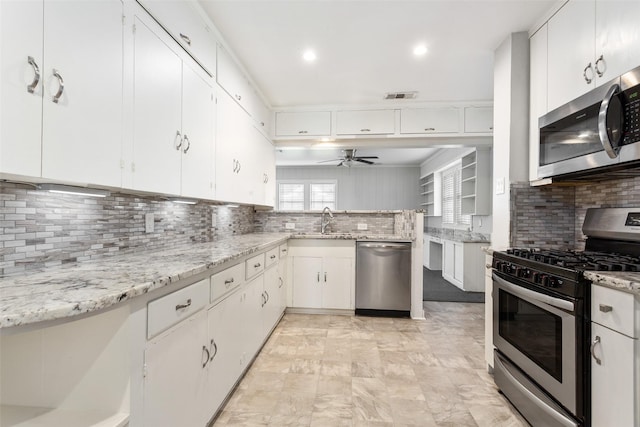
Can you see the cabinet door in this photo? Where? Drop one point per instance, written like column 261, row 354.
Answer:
column 430, row 120
column 197, row 130
column 307, row 288
column 337, row 282
column 187, row 27
column 478, row 119
column 82, row 131
column 231, row 169
column 282, row 285
column 613, row 388
column 617, row 38
column 175, row 379
column 266, row 165
column 365, row 122
column 21, row 110
column 225, row 348
column 303, row 123
column 571, row 50
column 538, row 95
column 254, row 331
column 157, row 113
column 231, row 78
column 448, row 259
column 458, row 268
column 271, row 310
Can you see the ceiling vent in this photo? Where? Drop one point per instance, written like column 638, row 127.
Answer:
column 401, row 95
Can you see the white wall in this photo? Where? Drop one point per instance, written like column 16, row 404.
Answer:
column 510, row 129
column 364, row 187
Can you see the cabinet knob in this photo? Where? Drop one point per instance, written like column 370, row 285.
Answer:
column 605, row 308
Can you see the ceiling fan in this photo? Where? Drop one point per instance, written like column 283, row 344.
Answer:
column 349, row 156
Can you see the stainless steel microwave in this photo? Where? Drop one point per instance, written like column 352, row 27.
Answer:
column 597, row 133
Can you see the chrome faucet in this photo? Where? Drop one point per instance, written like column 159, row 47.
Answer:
column 324, row 221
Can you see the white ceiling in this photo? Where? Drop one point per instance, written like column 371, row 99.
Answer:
column 364, row 49
column 286, row 156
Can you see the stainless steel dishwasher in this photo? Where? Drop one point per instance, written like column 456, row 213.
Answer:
column 383, row 278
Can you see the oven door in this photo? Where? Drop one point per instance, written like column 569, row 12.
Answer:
column 537, row 332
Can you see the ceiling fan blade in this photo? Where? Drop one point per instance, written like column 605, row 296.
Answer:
column 339, row 164
column 366, row 157
column 332, row 160
column 359, row 159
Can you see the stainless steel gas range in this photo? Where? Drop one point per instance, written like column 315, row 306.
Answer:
column 541, row 317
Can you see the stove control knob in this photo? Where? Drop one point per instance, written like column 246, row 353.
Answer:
column 535, row 278
column 518, row 272
column 546, row 280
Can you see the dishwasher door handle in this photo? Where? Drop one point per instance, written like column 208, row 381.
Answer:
column 380, row 245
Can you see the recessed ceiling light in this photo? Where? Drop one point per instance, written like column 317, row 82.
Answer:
column 309, row 56
column 420, row 50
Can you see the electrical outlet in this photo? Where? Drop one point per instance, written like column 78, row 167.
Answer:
column 148, row 223
column 500, row 185
column 362, row 226
column 290, row 225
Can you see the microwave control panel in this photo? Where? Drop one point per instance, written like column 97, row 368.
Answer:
column 631, row 102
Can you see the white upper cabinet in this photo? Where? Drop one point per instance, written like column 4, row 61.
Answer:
column 187, row 27
column 303, row 123
column 198, row 115
column 365, row 122
column 571, row 52
column 157, row 113
column 21, row 85
column 478, row 119
column 231, row 78
column 61, row 111
column 617, row 38
column 590, row 43
column 267, row 165
column 537, row 94
column 430, row 120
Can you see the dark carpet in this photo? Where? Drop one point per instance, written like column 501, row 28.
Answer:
column 436, row 288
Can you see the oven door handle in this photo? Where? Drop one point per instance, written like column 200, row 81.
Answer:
column 535, row 296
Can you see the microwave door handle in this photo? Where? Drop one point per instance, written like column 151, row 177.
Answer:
column 611, row 148
column 535, row 296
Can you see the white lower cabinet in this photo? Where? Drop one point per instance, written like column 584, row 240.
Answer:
column 615, row 358
column 323, row 275
column 175, row 377
column 463, row 265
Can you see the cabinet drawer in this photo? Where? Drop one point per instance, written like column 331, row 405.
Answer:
column 614, row 309
column 365, row 122
column 478, row 119
column 271, row 257
column 253, row 266
column 171, row 309
column 284, row 250
column 304, row 123
column 226, row 280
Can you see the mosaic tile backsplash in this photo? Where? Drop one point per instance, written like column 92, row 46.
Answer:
column 41, row 229
column 552, row 216
column 274, row 222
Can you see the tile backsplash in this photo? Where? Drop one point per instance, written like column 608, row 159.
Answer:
column 309, row 222
column 41, row 229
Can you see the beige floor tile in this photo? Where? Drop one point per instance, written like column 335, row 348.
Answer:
column 305, row 366
column 300, row 383
column 300, row 420
column 411, row 412
column 403, row 388
column 317, row 420
column 332, row 368
column 365, row 409
column 333, row 406
column 294, row 405
column 336, row 386
column 247, row 418
column 366, row 370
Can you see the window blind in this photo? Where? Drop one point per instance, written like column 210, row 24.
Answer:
column 452, row 197
column 291, row 197
column 322, row 195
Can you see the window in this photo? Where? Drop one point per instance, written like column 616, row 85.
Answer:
column 307, row 195
column 451, row 197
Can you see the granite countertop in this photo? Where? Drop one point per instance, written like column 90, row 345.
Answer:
column 93, row 285
column 85, row 287
column 620, row 280
column 458, row 235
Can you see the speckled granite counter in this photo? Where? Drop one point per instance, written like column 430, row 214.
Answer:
column 85, row 287
column 621, row 280
column 457, row 235
column 93, row 285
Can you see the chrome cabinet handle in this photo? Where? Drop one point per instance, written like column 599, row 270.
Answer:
column 264, row 300
column 186, row 139
column 318, row 278
column 303, row 131
column 325, row 277
column 239, row 166
column 267, row 294
column 215, row 350
column 599, row 60
column 281, row 282
column 57, row 96
column 272, row 257
column 606, row 308
column 429, row 129
column 179, row 136
column 262, row 124
column 185, row 38
column 235, row 165
column 228, row 282
column 584, row 73
column 206, row 359
column 365, row 130
column 36, row 76
column 183, row 306
column 238, row 97
column 284, row 250
column 256, row 265
column 610, row 147
column 593, row 346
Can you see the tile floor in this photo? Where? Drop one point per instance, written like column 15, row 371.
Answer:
column 320, row 370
